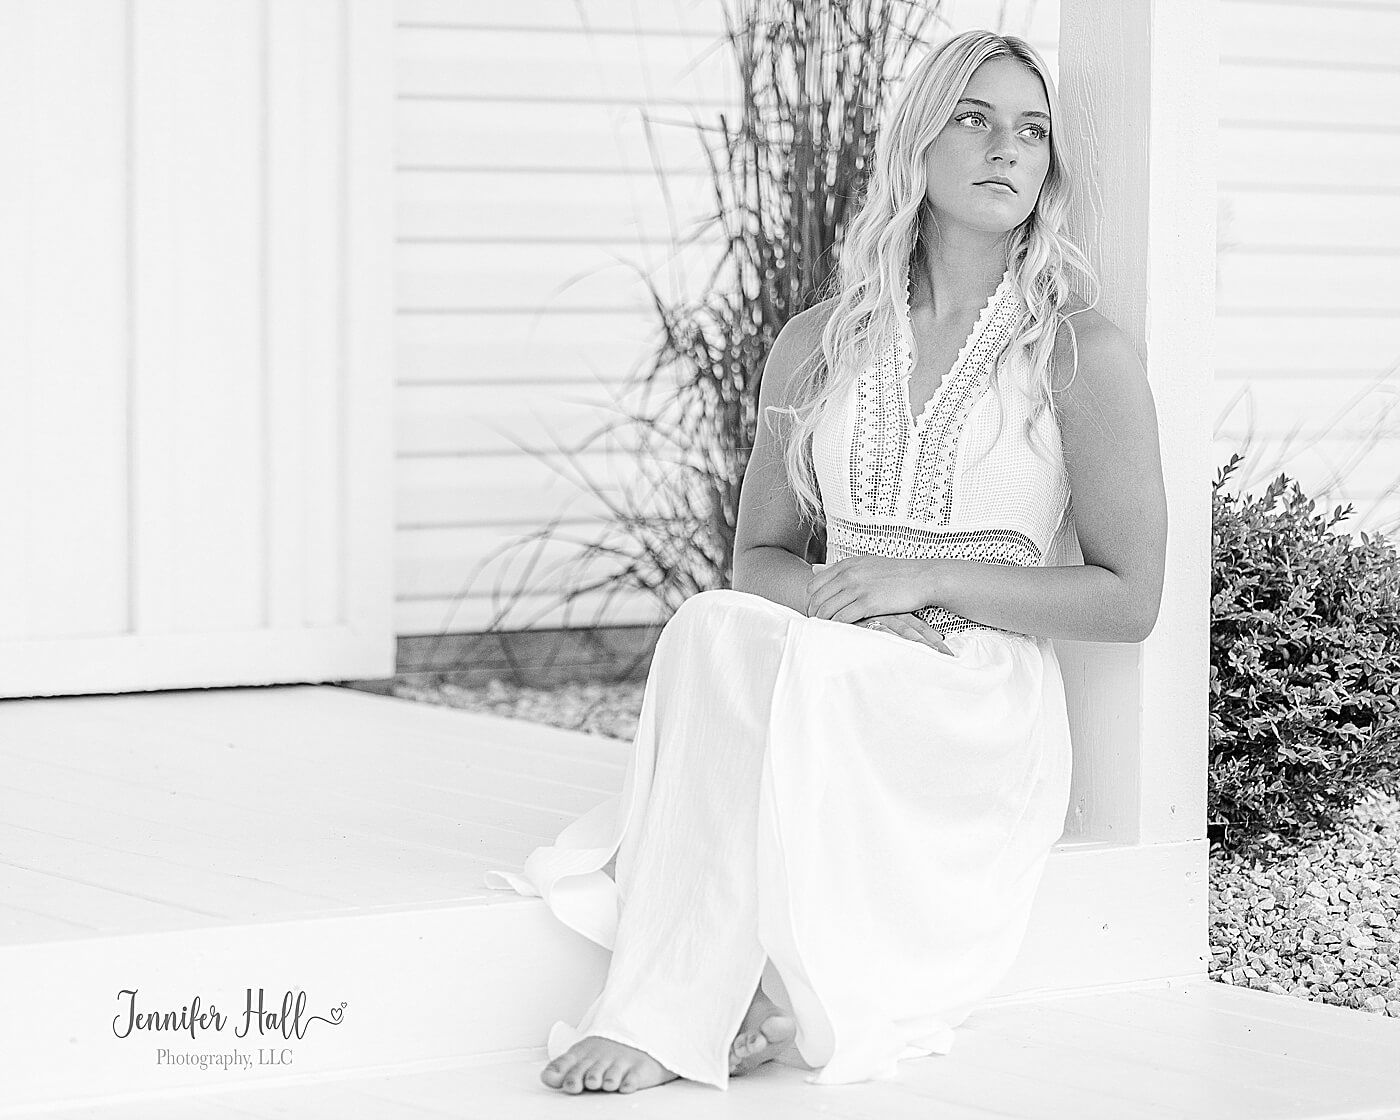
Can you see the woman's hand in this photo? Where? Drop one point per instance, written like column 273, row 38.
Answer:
column 911, row 626
column 860, row 587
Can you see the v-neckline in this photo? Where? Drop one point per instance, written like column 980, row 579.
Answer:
column 905, row 366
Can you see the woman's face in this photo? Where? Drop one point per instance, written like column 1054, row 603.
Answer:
column 999, row 128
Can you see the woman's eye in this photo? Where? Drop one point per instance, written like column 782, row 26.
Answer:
column 1040, row 133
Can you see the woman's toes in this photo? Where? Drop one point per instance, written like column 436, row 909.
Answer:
column 570, row 1075
column 597, row 1063
column 593, row 1075
column 749, row 1044
column 753, row 1049
column 612, row 1076
column 553, row 1074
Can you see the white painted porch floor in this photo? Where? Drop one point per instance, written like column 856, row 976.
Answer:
column 331, row 841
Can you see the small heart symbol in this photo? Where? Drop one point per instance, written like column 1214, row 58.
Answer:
column 336, row 1013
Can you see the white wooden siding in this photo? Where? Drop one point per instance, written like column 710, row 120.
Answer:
column 530, row 204
column 195, row 454
column 1307, row 371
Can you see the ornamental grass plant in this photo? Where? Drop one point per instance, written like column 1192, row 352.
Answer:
column 787, row 169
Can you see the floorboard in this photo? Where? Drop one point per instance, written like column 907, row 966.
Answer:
column 213, row 810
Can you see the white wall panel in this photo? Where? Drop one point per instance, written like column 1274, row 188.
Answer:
column 197, row 324
column 198, row 390
column 63, row 321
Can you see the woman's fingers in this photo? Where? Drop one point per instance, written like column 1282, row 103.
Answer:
column 932, row 636
column 914, row 628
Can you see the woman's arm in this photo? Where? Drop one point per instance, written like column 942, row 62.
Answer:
column 770, row 540
column 1108, row 430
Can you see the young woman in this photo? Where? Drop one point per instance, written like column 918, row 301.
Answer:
column 848, row 776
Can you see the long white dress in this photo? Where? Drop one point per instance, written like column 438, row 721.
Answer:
column 853, row 817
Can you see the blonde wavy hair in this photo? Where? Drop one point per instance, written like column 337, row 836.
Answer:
column 870, row 284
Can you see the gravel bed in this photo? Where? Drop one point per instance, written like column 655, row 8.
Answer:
column 1322, row 924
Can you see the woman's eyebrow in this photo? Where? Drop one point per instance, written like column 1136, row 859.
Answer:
column 989, row 105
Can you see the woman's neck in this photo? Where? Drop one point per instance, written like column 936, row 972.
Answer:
column 952, row 282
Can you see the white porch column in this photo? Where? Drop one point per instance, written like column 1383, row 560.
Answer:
column 1138, row 78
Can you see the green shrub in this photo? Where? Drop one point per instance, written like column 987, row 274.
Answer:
column 1304, row 668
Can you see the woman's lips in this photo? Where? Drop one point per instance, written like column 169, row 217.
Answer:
column 997, row 186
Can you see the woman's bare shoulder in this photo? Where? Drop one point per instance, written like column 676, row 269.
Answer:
column 799, row 341
column 1084, row 329
column 1081, row 316
column 809, row 324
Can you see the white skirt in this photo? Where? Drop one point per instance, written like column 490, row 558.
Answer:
column 857, row 820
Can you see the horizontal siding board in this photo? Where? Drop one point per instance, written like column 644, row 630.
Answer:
column 1363, row 464
column 532, row 417
column 1310, row 157
column 553, row 207
column 1337, row 34
column 424, row 617
column 627, row 17
column 1304, row 342
column 508, row 489
column 1307, row 221
column 509, row 65
column 515, row 345
column 1313, row 282
column 1331, row 470
column 1352, row 98
column 550, row 136
column 442, row 276
column 1339, row 435
column 1038, row 22
column 1358, row 405
column 429, row 561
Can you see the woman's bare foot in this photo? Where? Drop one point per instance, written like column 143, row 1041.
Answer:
column 601, row 1063
column 765, row 1033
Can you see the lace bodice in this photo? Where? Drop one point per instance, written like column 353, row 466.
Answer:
column 960, row 481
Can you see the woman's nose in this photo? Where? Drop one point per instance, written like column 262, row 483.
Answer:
column 1002, row 146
